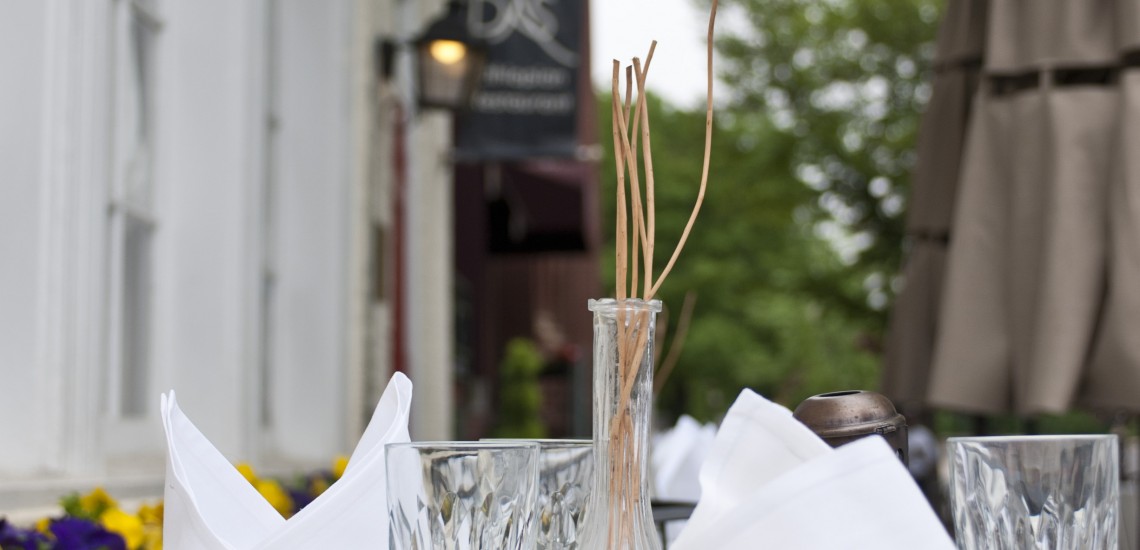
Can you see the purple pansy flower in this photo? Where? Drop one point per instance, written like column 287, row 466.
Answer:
column 81, row 534
column 20, row 539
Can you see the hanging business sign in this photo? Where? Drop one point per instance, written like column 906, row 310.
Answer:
column 527, row 102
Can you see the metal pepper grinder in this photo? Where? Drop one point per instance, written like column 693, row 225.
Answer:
column 844, row 416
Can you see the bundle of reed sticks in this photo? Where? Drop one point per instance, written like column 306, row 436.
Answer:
column 635, row 245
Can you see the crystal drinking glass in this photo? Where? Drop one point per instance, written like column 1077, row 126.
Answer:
column 565, row 475
column 461, row 496
column 1045, row 492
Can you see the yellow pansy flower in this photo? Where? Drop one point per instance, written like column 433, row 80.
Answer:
column 43, row 525
column 96, row 502
column 153, row 539
column 278, row 498
column 151, row 515
column 128, row 526
column 247, row 472
column 339, row 465
column 271, row 490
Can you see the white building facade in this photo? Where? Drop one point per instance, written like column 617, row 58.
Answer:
column 198, row 196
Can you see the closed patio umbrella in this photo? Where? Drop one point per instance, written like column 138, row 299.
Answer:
column 1033, row 310
column 914, row 320
column 1113, row 380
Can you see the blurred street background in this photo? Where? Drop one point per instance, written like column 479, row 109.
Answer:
column 270, row 206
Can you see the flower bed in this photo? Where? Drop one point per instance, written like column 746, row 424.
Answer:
column 95, row 521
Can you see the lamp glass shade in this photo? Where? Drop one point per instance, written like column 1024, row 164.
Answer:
column 445, row 71
column 449, row 62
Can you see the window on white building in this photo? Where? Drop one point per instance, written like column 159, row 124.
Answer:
column 133, row 217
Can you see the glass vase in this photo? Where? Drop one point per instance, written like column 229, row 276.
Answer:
column 618, row 516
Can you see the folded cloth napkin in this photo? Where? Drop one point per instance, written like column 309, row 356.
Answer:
column 209, row 505
column 678, row 454
column 769, row 482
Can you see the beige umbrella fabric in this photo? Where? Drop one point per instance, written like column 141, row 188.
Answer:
column 1026, row 260
column 974, row 279
column 1114, row 374
column 912, row 331
column 1023, row 295
column 911, row 335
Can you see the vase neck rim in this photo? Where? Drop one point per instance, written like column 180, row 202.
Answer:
column 629, row 304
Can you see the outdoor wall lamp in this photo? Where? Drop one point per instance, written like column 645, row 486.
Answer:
column 449, row 61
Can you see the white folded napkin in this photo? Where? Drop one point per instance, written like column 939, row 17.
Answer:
column 678, row 454
column 209, row 505
column 769, row 482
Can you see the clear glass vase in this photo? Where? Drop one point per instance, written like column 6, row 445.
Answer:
column 618, row 516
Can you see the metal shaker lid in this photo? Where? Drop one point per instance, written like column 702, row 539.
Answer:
column 849, row 413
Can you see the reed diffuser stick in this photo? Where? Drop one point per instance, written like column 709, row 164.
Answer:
column 620, row 226
column 633, row 275
column 705, row 163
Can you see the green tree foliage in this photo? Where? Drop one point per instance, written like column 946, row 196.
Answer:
column 519, row 393
column 846, row 80
column 794, row 250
